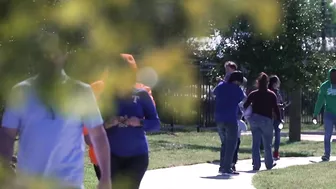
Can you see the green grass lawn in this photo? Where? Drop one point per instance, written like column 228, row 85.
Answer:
column 185, row 148
column 312, row 176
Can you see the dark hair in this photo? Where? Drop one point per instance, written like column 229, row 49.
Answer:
column 272, row 80
column 236, row 76
column 263, row 81
column 231, row 65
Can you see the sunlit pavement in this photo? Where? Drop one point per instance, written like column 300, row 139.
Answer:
column 318, row 136
column 203, row 176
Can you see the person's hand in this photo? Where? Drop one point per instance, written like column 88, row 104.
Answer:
column 104, row 184
column 112, row 122
column 314, row 120
column 286, row 104
column 133, row 121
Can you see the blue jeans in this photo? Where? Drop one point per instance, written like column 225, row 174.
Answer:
column 262, row 128
column 329, row 122
column 228, row 133
column 277, row 136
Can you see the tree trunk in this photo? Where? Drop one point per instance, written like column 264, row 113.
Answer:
column 295, row 115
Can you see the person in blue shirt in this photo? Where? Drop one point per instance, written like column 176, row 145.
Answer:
column 129, row 115
column 48, row 112
column 228, row 96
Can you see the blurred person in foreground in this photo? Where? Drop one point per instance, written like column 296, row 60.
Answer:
column 327, row 97
column 228, row 95
column 129, row 112
column 98, row 88
column 264, row 104
column 48, row 112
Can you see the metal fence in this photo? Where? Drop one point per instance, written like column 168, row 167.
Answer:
column 203, row 113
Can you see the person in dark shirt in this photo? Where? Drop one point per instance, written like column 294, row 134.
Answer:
column 228, row 96
column 274, row 85
column 264, row 104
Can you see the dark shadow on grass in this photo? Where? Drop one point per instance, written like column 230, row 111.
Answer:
column 218, row 177
column 172, row 145
column 189, row 146
column 181, row 129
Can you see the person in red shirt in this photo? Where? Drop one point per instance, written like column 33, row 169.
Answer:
column 264, row 106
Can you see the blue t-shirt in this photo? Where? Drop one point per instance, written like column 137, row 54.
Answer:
column 228, row 96
column 51, row 143
column 131, row 141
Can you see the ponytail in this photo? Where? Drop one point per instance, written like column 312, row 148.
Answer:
column 263, row 81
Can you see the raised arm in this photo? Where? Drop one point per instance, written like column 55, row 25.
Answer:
column 151, row 121
column 214, row 90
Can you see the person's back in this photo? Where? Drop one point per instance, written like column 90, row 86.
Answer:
column 263, row 102
column 228, row 96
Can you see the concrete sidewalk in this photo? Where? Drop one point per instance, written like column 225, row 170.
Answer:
column 308, row 136
column 205, row 175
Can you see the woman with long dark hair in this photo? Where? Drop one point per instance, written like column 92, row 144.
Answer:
column 274, row 85
column 264, row 104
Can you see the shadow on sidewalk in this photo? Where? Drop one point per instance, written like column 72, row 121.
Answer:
column 250, row 171
column 218, row 177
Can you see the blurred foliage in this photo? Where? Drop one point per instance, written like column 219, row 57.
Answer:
column 330, row 12
column 94, row 33
column 294, row 53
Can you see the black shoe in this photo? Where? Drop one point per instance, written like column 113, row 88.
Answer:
column 233, row 168
column 274, row 164
column 230, row 172
column 255, row 169
column 325, row 158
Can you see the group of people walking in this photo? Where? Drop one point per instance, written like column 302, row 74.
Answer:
column 266, row 106
column 51, row 113
column 263, row 109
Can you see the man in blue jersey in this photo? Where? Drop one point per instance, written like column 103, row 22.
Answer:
column 228, row 96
